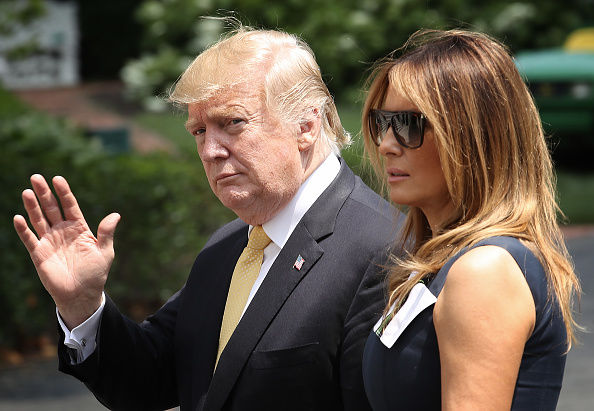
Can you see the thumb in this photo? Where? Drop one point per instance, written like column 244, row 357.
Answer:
column 106, row 230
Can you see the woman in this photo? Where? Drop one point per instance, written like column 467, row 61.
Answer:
column 479, row 312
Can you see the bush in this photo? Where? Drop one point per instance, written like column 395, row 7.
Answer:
column 167, row 208
column 346, row 35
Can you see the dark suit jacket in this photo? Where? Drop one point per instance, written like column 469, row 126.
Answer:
column 299, row 344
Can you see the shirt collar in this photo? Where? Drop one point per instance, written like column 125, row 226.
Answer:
column 280, row 227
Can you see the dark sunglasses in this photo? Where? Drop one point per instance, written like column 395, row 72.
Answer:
column 408, row 126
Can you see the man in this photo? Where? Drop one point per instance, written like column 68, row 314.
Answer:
column 268, row 135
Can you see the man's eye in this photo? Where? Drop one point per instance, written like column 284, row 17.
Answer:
column 236, row 121
column 199, row 131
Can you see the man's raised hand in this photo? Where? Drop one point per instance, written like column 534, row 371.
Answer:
column 72, row 264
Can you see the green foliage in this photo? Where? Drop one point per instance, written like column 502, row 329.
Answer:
column 346, row 35
column 152, row 73
column 31, row 143
column 576, row 195
column 9, row 105
column 169, row 124
column 167, row 208
column 14, row 13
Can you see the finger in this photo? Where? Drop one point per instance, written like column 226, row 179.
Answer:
column 36, row 216
column 70, row 206
column 49, row 204
column 25, row 234
column 106, row 230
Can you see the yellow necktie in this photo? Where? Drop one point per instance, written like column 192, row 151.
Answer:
column 245, row 274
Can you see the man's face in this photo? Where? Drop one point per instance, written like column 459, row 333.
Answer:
column 251, row 158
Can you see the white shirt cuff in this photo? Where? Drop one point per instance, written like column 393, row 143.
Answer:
column 82, row 340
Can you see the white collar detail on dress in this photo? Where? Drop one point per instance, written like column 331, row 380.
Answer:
column 419, row 298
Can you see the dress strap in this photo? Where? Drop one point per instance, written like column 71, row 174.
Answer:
column 512, row 245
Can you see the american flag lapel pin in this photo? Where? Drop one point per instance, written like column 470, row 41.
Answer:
column 299, row 262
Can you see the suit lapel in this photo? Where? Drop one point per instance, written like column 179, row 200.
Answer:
column 278, row 285
column 274, row 291
column 203, row 312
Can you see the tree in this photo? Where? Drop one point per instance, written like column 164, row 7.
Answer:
column 15, row 14
column 346, row 35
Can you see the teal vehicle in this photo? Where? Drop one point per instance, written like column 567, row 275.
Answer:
column 562, row 83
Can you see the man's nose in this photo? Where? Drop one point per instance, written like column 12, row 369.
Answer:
column 213, row 147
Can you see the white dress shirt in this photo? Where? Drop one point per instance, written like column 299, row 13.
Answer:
column 82, row 339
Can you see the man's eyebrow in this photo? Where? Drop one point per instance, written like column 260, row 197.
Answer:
column 219, row 112
column 228, row 111
column 191, row 124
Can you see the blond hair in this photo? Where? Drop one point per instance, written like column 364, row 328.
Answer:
column 292, row 84
column 493, row 154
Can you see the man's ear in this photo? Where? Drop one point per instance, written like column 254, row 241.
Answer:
column 309, row 131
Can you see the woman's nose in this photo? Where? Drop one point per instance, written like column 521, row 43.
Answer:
column 389, row 145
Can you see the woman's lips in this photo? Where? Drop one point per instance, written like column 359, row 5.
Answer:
column 395, row 174
column 392, row 171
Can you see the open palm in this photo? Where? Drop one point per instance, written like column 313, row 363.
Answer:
column 72, row 264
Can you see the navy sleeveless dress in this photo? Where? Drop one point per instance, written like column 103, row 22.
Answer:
column 407, row 375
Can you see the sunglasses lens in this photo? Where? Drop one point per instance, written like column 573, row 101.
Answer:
column 378, row 126
column 406, row 126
